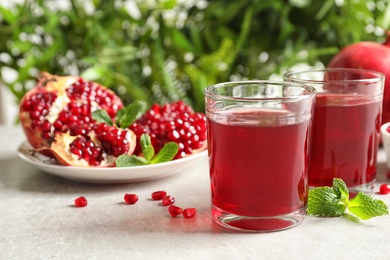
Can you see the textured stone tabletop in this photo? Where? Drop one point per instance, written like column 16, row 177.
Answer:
column 38, row 221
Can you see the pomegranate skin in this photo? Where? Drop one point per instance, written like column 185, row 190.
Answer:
column 370, row 56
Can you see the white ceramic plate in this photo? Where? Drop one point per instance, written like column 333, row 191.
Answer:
column 108, row 175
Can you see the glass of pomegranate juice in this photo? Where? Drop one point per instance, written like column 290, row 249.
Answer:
column 346, row 125
column 258, row 145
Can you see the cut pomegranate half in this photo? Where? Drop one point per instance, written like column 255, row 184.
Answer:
column 63, row 104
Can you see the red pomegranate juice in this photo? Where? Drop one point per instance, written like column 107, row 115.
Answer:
column 345, row 140
column 258, row 170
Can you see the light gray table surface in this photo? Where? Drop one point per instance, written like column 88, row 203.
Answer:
column 38, row 221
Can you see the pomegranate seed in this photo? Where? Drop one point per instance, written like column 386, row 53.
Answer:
column 168, row 200
column 174, row 135
column 189, row 212
column 388, row 174
column 76, row 151
column 131, row 198
column 159, row 195
column 80, row 202
column 175, row 210
column 384, row 189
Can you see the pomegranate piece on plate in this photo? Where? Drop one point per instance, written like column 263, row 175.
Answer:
column 173, row 122
column 56, row 116
column 100, row 147
column 63, row 104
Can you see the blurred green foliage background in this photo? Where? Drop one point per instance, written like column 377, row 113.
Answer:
column 160, row 51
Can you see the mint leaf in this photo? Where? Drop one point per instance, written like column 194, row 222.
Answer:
column 167, row 153
column 125, row 160
column 334, row 201
column 127, row 115
column 366, row 207
column 324, row 201
column 101, row 116
column 340, row 189
column 147, row 147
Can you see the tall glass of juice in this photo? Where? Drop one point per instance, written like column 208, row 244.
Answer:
column 258, row 146
column 346, row 125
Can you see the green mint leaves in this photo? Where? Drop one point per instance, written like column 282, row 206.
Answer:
column 334, row 201
column 166, row 154
column 125, row 116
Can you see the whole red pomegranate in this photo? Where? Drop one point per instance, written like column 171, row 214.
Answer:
column 371, row 56
column 56, row 116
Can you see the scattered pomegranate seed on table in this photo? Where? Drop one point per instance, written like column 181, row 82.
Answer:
column 168, row 200
column 175, row 210
column 384, row 189
column 131, row 198
column 189, row 212
column 80, row 202
column 159, row 195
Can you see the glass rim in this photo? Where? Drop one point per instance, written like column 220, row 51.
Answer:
column 311, row 90
column 377, row 76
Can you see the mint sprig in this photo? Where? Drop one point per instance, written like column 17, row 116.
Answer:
column 334, row 201
column 166, row 154
column 124, row 117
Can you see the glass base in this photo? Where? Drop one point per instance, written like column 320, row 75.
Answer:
column 366, row 188
column 353, row 190
column 258, row 224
